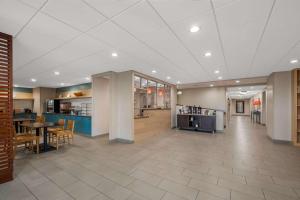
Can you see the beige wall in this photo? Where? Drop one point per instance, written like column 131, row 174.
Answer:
column 122, row 106
column 279, row 99
column 40, row 96
column 101, row 106
column 246, row 107
column 214, row 98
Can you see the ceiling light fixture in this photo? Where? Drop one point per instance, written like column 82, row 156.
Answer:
column 179, row 93
column 114, row 55
column 217, row 71
column 294, row 61
column 87, row 78
column 16, row 85
column 168, row 77
column 237, row 81
column 33, row 80
column 154, row 71
column 208, row 54
column 194, row 29
column 220, row 77
column 211, row 85
column 62, row 84
column 178, row 82
column 56, row 73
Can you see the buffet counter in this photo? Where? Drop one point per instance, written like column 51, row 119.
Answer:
column 83, row 124
column 152, row 120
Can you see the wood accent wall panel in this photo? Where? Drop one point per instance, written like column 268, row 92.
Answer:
column 6, row 109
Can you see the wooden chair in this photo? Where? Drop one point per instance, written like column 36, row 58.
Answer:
column 40, row 119
column 24, row 139
column 67, row 133
column 52, row 131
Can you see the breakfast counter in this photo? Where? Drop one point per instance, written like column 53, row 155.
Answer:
column 83, row 124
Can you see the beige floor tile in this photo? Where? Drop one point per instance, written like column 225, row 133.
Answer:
column 119, row 178
column 247, row 189
column 210, row 188
column 241, row 196
column 170, row 196
column 201, row 176
column 81, row 190
column 147, row 190
column 62, row 178
column 276, row 196
column 179, row 189
column 113, row 190
column 49, row 191
column 146, row 177
column 207, row 196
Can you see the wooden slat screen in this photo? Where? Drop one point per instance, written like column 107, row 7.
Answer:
column 6, row 90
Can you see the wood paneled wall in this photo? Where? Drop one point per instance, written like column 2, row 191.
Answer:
column 6, row 112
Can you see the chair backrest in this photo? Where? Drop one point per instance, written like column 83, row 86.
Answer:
column 40, row 119
column 71, row 125
column 61, row 122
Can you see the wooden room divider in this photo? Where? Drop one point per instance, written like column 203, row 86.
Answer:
column 6, row 109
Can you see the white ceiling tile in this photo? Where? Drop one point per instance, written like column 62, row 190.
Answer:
column 76, row 49
column 74, row 12
column 34, row 3
column 13, row 16
column 281, row 35
column 178, row 10
column 239, row 44
column 111, row 7
column 149, row 28
column 40, row 36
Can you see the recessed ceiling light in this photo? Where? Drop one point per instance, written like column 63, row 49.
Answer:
column 237, row 81
column 154, row 71
column 220, row 77
column 56, row 73
column 294, row 61
column 179, row 92
column 178, row 82
column 207, row 54
column 87, row 78
column 194, row 29
column 33, row 80
column 114, row 54
column 62, row 84
column 211, row 85
column 168, row 77
column 16, row 85
column 217, row 71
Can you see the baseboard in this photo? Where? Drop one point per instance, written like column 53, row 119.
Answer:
column 119, row 140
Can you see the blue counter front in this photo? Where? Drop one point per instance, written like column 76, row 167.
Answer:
column 83, row 124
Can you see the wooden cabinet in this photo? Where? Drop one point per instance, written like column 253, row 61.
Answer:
column 296, row 107
column 206, row 123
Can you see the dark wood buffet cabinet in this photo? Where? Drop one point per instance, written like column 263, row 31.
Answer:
column 197, row 122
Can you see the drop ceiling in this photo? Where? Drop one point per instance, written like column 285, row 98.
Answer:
column 247, row 38
column 244, row 92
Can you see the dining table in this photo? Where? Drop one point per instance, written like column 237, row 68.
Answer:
column 38, row 126
column 18, row 121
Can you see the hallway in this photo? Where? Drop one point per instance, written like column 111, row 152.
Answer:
column 240, row 164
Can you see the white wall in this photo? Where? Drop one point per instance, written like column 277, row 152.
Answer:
column 173, row 107
column 214, row 98
column 279, row 108
column 101, row 106
column 122, row 106
column 246, row 107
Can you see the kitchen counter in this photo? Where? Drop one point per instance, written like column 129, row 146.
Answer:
column 83, row 124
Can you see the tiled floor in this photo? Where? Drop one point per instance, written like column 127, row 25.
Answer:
column 241, row 164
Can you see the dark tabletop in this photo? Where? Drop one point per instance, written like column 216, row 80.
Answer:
column 39, row 125
column 22, row 119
